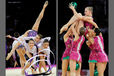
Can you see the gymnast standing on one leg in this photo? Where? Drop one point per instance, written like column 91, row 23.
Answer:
column 97, row 56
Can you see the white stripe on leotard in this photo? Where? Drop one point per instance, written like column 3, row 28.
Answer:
column 101, row 46
column 78, row 48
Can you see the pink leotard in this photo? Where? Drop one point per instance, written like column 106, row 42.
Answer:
column 68, row 45
column 76, row 47
column 97, row 50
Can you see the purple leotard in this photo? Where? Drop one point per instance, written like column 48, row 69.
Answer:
column 32, row 33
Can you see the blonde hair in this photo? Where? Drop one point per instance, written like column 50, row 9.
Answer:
column 90, row 9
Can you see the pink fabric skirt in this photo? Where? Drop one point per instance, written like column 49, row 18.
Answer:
column 75, row 56
column 65, row 54
column 99, row 57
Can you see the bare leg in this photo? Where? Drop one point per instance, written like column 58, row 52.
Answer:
column 101, row 68
column 12, row 51
column 91, row 68
column 29, row 55
column 36, row 25
column 81, row 24
column 71, row 21
column 40, row 66
column 22, row 58
column 68, row 73
column 72, row 68
column 76, row 26
column 21, row 55
column 43, row 63
column 79, row 70
column 64, row 67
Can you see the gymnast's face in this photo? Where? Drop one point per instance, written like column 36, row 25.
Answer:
column 37, row 39
column 46, row 45
column 31, row 43
column 86, row 12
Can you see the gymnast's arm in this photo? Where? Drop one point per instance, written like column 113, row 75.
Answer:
column 48, row 38
column 36, row 25
column 71, row 21
column 67, row 34
column 73, row 9
column 88, row 19
column 9, row 36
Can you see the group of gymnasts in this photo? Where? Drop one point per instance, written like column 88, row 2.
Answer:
column 31, row 44
column 81, row 27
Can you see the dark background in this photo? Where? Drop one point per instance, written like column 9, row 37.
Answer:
column 22, row 14
column 100, row 15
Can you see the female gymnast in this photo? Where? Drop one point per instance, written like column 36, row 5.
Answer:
column 77, row 16
column 75, row 56
column 45, row 50
column 88, row 17
column 19, row 49
column 68, row 39
column 97, row 56
column 31, row 50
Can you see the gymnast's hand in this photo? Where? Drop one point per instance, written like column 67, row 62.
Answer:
column 45, row 4
column 71, row 6
column 9, row 36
